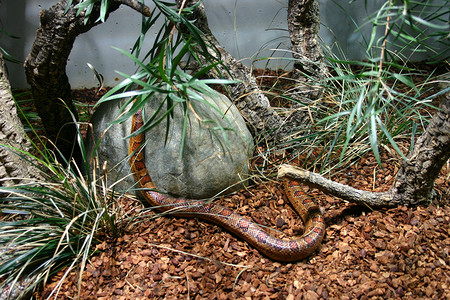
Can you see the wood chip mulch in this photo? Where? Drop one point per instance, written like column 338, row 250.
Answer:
column 399, row 253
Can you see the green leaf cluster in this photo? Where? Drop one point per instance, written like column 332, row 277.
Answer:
column 162, row 70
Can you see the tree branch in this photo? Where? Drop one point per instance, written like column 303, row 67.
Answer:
column 137, row 6
column 334, row 188
column 45, row 68
column 309, row 66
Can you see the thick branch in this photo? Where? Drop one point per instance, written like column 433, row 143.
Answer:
column 415, row 179
column 309, row 67
column 45, row 68
column 334, row 188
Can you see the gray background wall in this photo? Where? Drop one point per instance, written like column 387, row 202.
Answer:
column 246, row 28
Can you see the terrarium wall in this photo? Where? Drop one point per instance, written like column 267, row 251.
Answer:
column 249, row 29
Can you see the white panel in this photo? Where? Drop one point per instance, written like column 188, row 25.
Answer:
column 249, row 29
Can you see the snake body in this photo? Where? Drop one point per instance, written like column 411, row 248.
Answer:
column 281, row 249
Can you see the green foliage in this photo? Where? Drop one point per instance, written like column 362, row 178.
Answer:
column 27, row 113
column 410, row 27
column 87, row 7
column 53, row 223
column 374, row 106
column 161, row 70
column 54, row 220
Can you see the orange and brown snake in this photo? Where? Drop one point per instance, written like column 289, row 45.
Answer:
column 281, row 249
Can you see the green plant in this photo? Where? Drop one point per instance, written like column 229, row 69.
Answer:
column 54, row 222
column 410, row 27
column 28, row 114
column 374, row 104
column 161, row 70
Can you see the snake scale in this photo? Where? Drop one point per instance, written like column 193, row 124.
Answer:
column 283, row 249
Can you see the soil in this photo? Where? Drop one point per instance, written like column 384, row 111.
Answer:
column 398, row 253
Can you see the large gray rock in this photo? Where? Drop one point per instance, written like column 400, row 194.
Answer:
column 213, row 161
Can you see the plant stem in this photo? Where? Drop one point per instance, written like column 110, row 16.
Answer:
column 383, row 48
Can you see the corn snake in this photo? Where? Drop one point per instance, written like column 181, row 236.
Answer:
column 281, row 249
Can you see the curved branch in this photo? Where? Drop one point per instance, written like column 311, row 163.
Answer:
column 45, row 68
column 334, row 188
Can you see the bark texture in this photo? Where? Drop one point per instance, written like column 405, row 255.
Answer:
column 309, row 67
column 415, row 179
column 12, row 168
